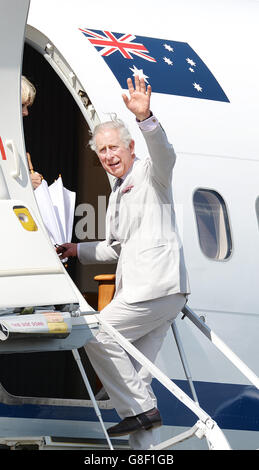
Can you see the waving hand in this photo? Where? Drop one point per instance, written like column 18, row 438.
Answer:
column 138, row 101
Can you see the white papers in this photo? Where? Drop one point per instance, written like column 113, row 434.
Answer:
column 57, row 208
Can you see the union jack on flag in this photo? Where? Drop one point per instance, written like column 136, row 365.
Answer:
column 123, row 44
column 171, row 67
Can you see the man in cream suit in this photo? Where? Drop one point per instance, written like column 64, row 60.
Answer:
column 151, row 279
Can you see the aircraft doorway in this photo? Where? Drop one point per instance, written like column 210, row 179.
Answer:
column 57, row 136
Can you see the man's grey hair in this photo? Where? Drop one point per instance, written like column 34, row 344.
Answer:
column 114, row 123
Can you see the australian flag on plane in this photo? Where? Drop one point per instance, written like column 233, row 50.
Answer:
column 170, row 67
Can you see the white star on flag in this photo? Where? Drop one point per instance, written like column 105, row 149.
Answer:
column 168, row 61
column 191, row 62
column 139, row 73
column 197, row 86
column 168, row 47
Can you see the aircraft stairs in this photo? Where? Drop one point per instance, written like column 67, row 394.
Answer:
column 205, row 427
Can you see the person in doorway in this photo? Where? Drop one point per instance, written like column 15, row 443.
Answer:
column 28, row 92
column 151, row 278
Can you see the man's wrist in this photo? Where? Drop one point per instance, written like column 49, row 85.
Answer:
column 148, row 124
column 144, row 118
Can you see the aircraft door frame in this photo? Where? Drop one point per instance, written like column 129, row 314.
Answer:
column 30, row 273
column 13, row 156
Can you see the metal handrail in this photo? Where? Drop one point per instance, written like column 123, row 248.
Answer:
column 241, row 366
column 206, row 426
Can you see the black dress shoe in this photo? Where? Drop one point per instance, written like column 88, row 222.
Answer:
column 147, row 420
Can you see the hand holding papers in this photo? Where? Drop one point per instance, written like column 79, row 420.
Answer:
column 57, row 208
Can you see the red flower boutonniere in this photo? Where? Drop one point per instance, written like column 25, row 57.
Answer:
column 127, row 189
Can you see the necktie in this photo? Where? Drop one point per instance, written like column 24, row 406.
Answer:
column 117, row 184
column 112, row 213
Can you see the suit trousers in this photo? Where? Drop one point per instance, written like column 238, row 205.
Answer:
column 145, row 325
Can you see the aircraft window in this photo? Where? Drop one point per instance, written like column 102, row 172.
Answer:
column 213, row 224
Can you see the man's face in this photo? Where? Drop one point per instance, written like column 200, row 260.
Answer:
column 114, row 156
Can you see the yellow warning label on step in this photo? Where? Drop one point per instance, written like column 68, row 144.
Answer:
column 58, row 327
